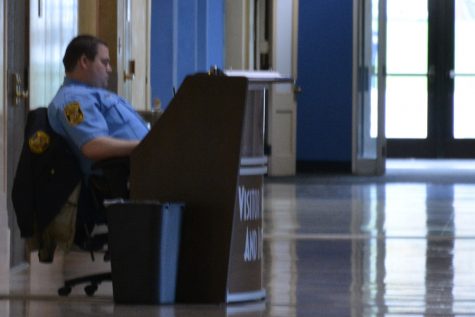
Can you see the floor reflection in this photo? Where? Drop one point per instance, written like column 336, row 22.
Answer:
column 104, row 307
column 377, row 247
column 408, row 263
column 398, row 245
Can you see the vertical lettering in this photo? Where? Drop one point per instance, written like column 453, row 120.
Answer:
column 246, row 247
column 253, row 245
column 250, row 209
column 242, row 197
column 248, row 200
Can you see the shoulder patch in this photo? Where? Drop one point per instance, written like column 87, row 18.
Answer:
column 74, row 113
column 39, row 142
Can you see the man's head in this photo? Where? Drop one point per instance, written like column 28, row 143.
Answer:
column 87, row 59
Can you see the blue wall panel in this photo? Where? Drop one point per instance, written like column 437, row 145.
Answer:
column 202, row 41
column 161, row 55
column 325, row 76
column 215, row 34
column 187, row 37
column 210, row 34
column 187, row 31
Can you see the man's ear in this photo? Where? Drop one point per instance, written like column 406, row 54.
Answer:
column 83, row 61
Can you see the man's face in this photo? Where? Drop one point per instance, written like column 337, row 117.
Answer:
column 100, row 67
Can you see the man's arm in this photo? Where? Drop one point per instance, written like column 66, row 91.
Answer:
column 102, row 148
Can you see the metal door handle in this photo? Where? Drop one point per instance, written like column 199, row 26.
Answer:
column 130, row 75
column 452, row 74
column 19, row 93
column 431, row 72
column 297, row 89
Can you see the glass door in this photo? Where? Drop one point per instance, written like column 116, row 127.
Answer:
column 430, row 77
column 368, row 156
column 464, row 72
column 407, row 69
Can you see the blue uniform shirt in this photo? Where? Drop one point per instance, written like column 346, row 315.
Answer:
column 80, row 113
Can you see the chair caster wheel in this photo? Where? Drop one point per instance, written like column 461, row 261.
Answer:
column 64, row 291
column 90, row 289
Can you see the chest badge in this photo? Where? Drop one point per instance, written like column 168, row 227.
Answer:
column 39, row 142
column 74, row 113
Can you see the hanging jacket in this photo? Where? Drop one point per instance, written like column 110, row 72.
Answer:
column 46, row 175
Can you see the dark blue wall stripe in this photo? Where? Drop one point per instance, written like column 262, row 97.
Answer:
column 325, row 76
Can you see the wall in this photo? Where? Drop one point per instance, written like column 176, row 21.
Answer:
column 325, row 76
column 187, row 37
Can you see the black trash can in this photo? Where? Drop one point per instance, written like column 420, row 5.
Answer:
column 144, row 243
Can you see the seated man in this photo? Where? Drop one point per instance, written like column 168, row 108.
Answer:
column 97, row 123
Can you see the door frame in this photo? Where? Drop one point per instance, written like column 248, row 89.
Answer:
column 281, row 125
column 361, row 164
column 4, row 217
column 17, row 40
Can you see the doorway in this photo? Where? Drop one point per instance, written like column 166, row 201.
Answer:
column 430, row 77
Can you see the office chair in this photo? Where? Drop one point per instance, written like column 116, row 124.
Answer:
column 108, row 180
column 46, row 175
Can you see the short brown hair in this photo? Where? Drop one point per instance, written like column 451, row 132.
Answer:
column 80, row 45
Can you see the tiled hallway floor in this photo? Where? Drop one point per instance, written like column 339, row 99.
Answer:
column 398, row 245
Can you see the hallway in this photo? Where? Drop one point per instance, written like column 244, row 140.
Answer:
column 334, row 245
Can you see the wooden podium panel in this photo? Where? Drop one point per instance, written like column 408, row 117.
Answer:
column 192, row 155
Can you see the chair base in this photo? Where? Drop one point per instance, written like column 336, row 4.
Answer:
column 93, row 280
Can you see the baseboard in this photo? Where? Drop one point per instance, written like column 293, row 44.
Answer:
column 324, row 167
